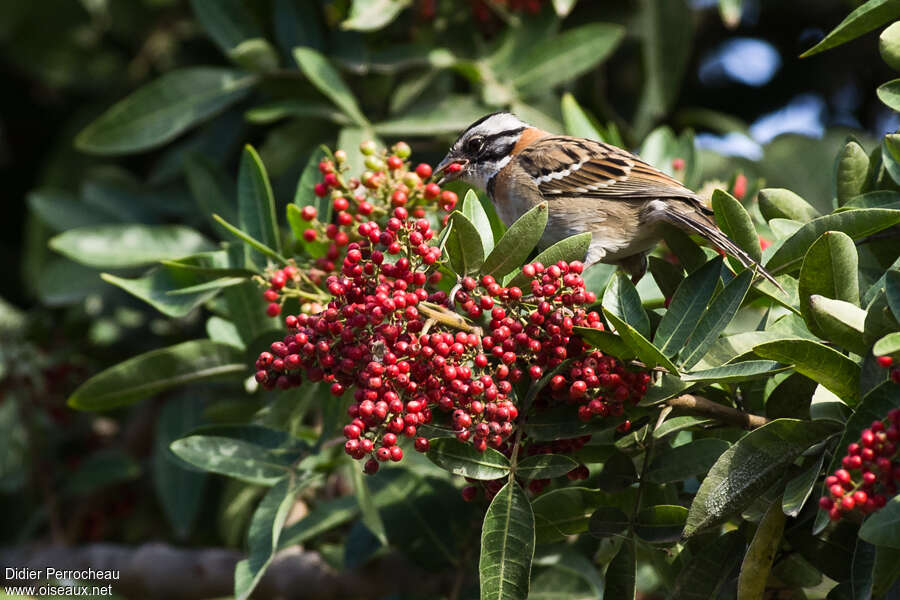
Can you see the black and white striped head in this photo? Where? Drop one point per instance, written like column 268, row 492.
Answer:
column 483, row 149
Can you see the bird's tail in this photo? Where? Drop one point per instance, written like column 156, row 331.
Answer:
column 703, row 226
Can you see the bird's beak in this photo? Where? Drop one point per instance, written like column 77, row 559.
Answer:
column 442, row 167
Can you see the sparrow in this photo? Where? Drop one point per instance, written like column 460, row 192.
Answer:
column 589, row 186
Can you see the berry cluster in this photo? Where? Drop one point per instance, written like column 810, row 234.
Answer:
column 870, row 473
column 887, row 362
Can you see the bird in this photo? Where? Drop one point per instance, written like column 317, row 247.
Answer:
column 589, row 186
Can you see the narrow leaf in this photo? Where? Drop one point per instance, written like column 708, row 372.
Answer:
column 829, row 269
column 544, row 466
column 463, row 459
column 749, row 468
column 507, row 546
column 163, row 109
column 687, row 307
column 622, row 299
column 715, row 319
column 516, row 244
column 621, row 574
column 734, row 220
column 647, row 352
column 231, row 457
column 818, row 362
column 131, row 245
column 798, row 489
column 682, row 462
column 779, row 203
column 464, row 245
column 862, row 20
column 328, row 81
column 150, row 373
column 474, row 211
column 758, row 560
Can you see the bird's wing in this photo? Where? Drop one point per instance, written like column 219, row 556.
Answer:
column 567, row 166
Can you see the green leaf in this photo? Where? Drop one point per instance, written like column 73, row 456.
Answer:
column 564, row 57
column 798, row 489
column 687, row 307
column 758, row 560
column 715, row 319
column 256, row 204
column 474, row 211
column 246, row 309
column 861, row 579
column 606, row 341
column 878, row 199
column 147, row 374
column 733, row 219
column 818, row 362
column 369, row 15
column 250, row 240
column 882, row 528
column 516, row 244
column 157, row 288
column 889, row 45
column 855, row 223
column 464, row 246
column 736, row 372
column 660, row 523
column 61, row 282
column 886, row 570
column 851, row 172
column 367, row 508
column 689, row 254
column 840, row 322
column 507, row 545
column 123, row 246
column 565, row 511
column 265, row 114
column 544, row 466
column 666, row 33
column 265, row 531
column 608, row 521
column 578, row 123
column 622, row 300
column 682, row 462
column 256, row 55
column 163, row 109
column 463, row 459
column 889, row 344
column 889, row 93
column 647, row 352
column 750, row 467
column 829, row 269
column 570, row 249
column 709, row 568
column 323, row 517
column 890, row 155
column 228, row 22
column 779, row 203
column 314, row 249
column 557, row 423
column 328, row 81
column 864, row 19
column 61, row 211
column 235, row 458
column 676, row 424
column 621, row 575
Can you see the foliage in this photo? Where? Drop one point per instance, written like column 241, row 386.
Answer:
column 582, row 488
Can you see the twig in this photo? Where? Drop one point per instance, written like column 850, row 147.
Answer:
column 707, row 408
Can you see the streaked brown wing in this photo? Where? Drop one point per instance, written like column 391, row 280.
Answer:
column 564, row 166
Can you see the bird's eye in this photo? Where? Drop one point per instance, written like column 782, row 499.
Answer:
column 475, row 144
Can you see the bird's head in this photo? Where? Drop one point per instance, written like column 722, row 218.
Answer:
column 482, row 149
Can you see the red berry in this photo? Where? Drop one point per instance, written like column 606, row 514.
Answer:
column 320, row 190
column 309, row 235
column 469, row 492
column 423, row 170
column 678, row 164
column 308, row 213
column 394, row 162
column 884, row 361
column 432, row 191
column 740, row 186
column 273, row 309
column 371, row 467
column 422, row 444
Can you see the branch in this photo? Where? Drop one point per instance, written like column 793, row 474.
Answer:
column 699, row 405
column 158, row 570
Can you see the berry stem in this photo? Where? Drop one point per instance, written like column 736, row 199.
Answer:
column 705, row 407
column 446, row 317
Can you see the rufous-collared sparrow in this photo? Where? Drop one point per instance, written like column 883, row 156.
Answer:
column 588, row 186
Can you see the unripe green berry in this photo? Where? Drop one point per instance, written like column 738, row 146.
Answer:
column 411, row 180
column 368, row 148
column 374, row 163
column 402, row 149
